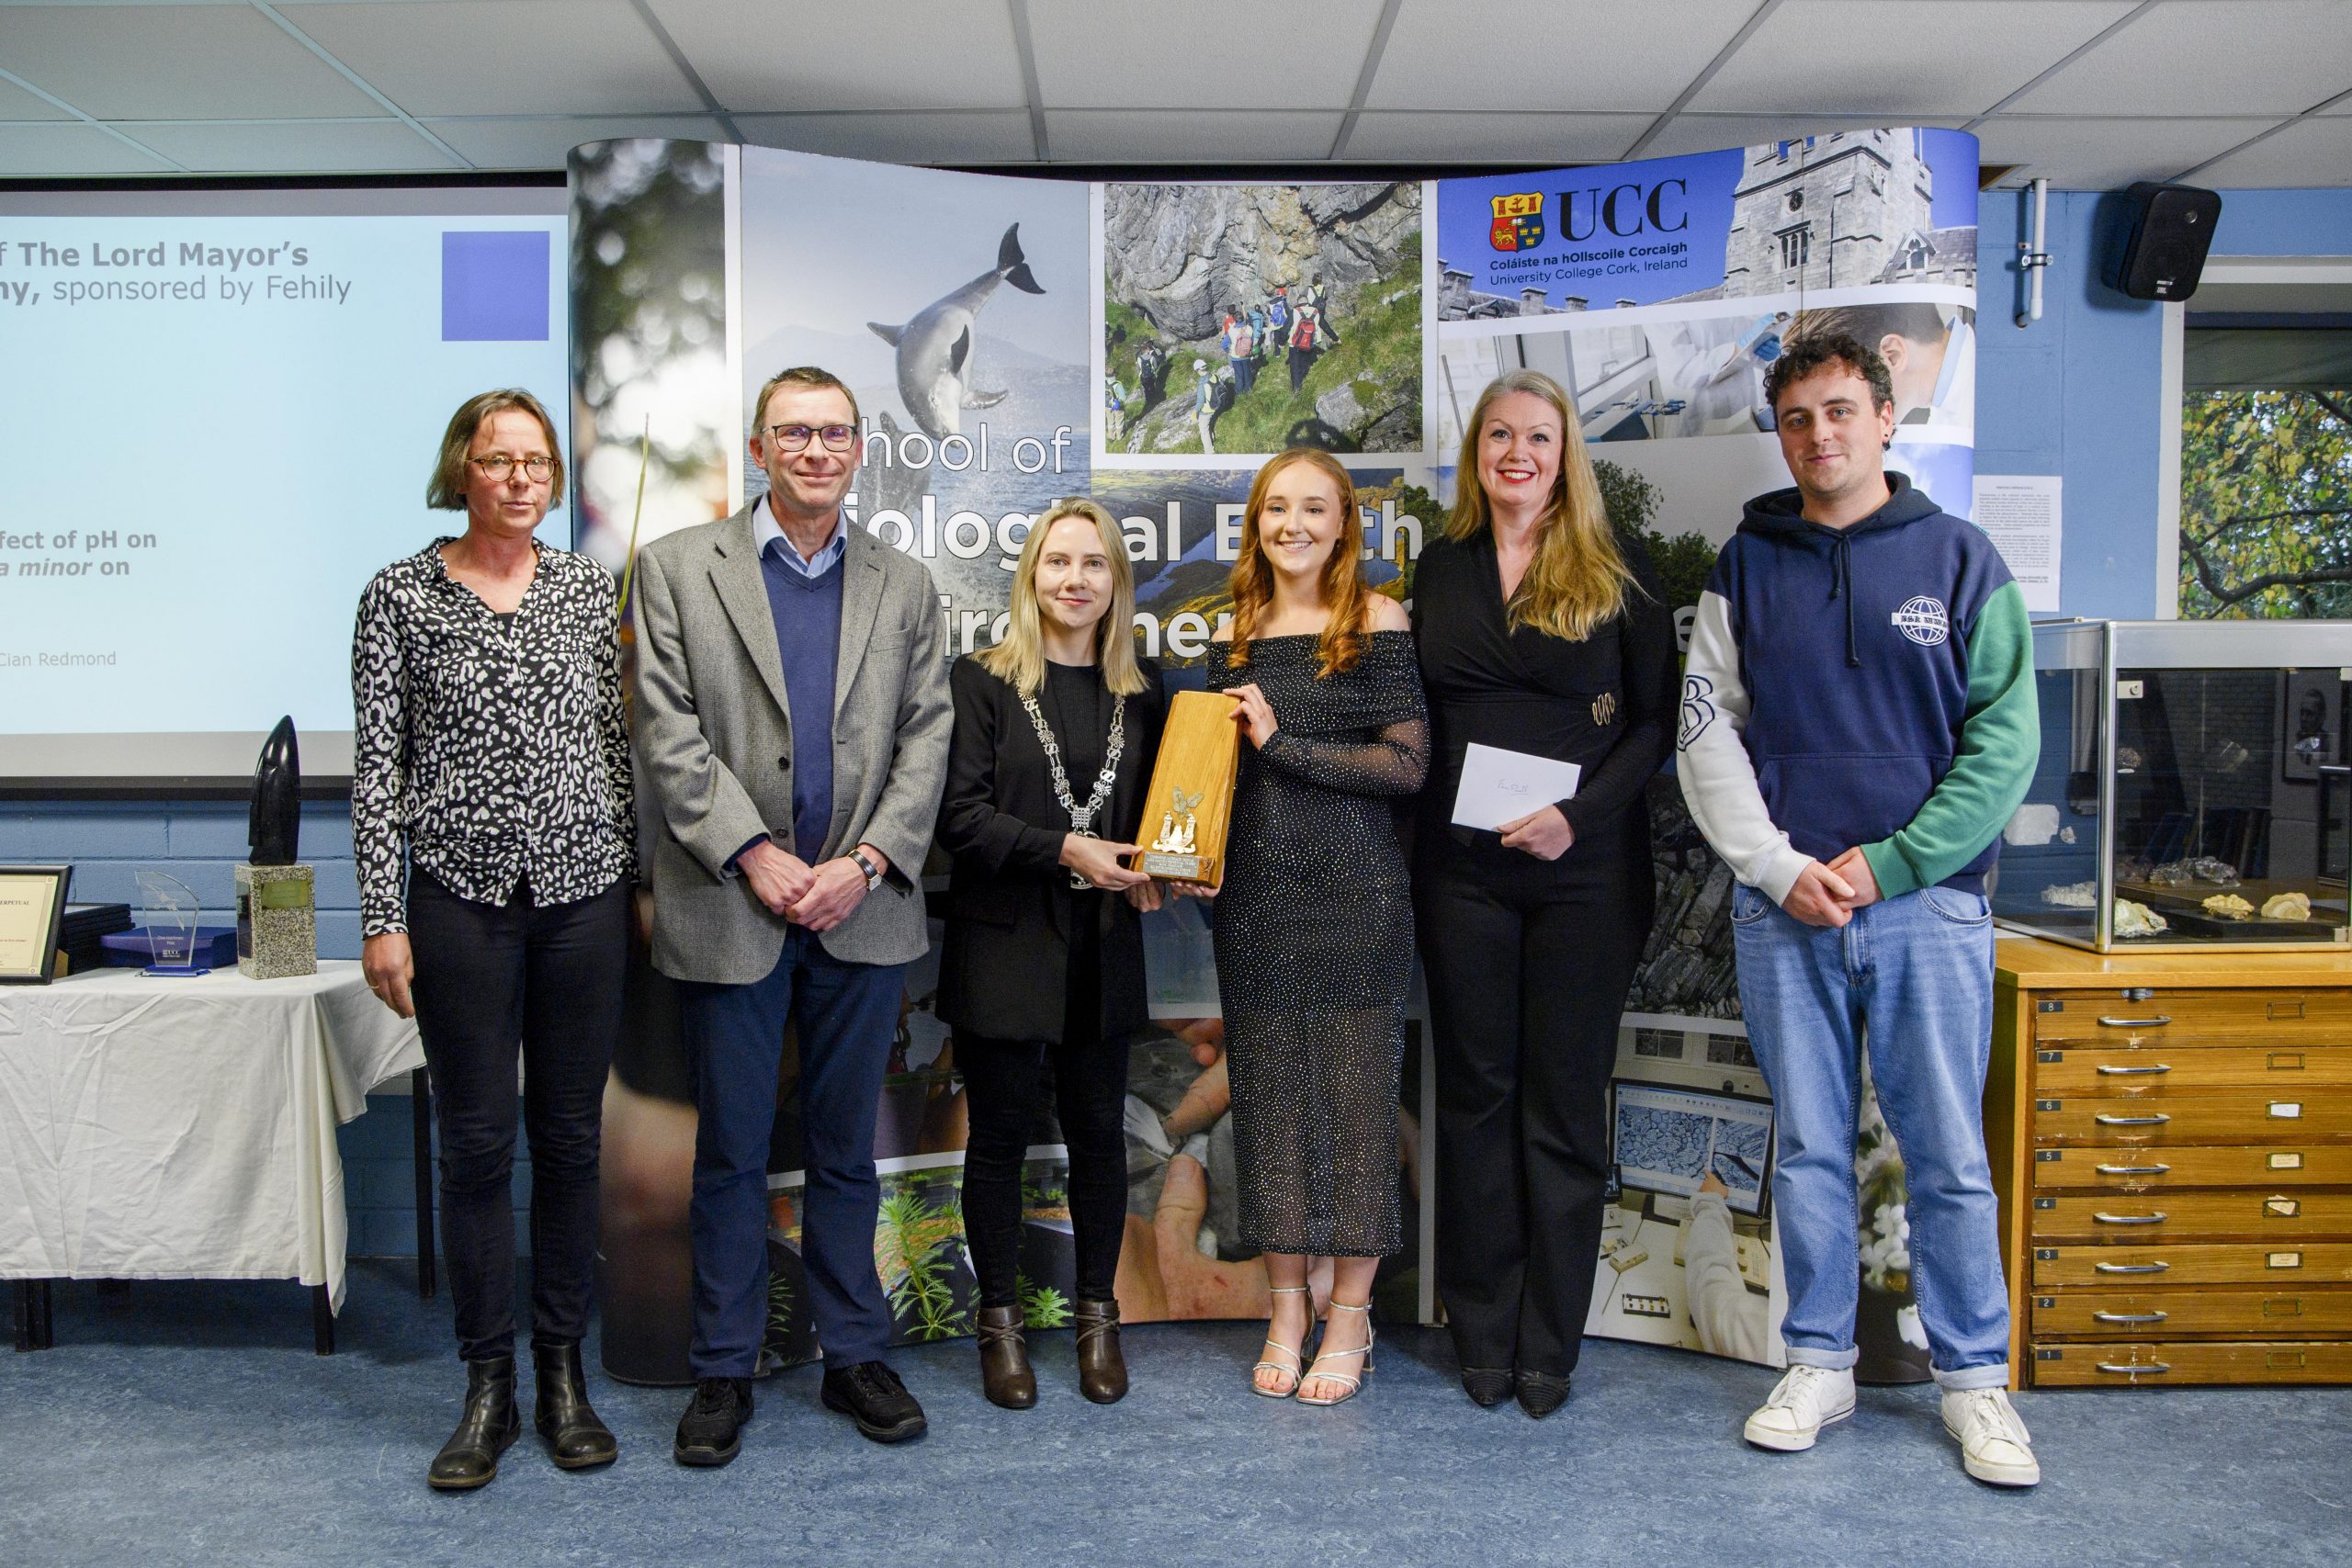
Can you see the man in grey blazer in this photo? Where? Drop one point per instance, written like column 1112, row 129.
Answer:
column 793, row 720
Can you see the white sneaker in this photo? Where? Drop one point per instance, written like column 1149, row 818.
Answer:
column 1807, row 1399
column 1994, row 1442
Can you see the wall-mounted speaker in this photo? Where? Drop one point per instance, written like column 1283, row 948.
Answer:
column 2163, row 254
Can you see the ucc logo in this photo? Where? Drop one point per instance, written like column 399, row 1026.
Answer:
column 1519, row 221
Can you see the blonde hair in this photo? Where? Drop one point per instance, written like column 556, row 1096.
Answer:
column 1579, row 579
column 1344, row 593
column 1020, row 659
column 446, row 492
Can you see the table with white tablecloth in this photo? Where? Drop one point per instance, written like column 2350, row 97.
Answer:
column 155, row 1128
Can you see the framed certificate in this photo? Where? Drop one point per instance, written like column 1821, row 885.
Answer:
column 32, row 908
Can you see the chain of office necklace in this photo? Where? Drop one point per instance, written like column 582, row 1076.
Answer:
column 1081, row 817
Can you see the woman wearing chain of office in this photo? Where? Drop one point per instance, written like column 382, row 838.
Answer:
column 1041, row 974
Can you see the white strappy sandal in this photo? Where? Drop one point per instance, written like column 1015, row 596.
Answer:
column 1355, row 1384
column 1296, row 1371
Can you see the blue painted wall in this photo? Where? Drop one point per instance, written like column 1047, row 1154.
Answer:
column 2076, row 394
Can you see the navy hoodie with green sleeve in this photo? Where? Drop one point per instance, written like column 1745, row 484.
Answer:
column 1870, row 686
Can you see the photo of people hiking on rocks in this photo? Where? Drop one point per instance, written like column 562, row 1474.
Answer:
column 1244, row 320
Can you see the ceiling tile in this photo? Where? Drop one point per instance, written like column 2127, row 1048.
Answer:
column 1921, row 59
column 2314, row 151
column 174, row 62
column 69, row 149
column 912, row 54
column 1544, row 57
column 995, row 136
column 442, row 57
column 1718, row 132
column 544, row 143
column 2101, row 154
column 296, row 147
column 1437, row 137
column 15, row 104
column 1167, row 136
column 1297, row 54
column 2212, row 57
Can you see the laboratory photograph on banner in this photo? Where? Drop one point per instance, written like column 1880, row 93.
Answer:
column 1241, row 319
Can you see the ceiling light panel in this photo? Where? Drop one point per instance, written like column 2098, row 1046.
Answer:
column 1567, row 55
column 760, row 57
column 1256, row 54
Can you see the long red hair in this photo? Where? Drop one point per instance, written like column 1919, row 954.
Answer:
column 1344, row 593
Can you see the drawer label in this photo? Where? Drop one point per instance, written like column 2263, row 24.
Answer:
column 2286, row 1261
column 2290, row 1008
column 2049, row 1055
column 2282, row 1208
column 2047, row 1104
column 2287, row 1110
column 2049, row 1157
column 2045, row 1304
column 2286, row 1061
column 2291, row 1159
column 2045, row 1203
column 2284, row 1358
column 2283, row 1306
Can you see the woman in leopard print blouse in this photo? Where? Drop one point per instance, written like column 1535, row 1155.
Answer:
column 491, row 746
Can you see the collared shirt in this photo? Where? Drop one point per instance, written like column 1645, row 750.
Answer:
column 766, row 530
column 492, row 751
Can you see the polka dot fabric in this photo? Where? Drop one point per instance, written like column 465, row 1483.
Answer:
column 1314, row 933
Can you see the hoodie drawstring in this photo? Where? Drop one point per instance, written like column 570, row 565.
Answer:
column 1841, row 577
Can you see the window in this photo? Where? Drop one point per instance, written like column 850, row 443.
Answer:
column 2266, row 466
column 1796, row 247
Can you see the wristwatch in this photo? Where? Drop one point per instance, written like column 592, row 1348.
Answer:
column 872, row 873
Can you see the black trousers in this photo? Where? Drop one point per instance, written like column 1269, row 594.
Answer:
column 1005, row 1083
column 1528, row 963
column 549, row 977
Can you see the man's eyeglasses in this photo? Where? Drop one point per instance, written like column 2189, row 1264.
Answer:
column 795, row 438
column 498, row 466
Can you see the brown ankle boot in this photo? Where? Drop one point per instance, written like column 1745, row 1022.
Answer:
column 1102, row 1370
column 1005, row 1376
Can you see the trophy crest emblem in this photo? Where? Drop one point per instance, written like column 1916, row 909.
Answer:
column 1179, row 829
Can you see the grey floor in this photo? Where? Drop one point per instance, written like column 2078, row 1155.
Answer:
column 191, row 1423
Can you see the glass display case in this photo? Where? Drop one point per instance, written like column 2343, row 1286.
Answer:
column 2192, row 790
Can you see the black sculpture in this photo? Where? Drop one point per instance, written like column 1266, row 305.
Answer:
column 276, row 826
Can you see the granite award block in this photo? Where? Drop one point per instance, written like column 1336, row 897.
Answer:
column 1190, row 803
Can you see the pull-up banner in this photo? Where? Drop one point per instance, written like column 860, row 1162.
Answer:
column 1013, row 340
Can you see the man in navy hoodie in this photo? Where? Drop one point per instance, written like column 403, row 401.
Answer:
column 1857, row 724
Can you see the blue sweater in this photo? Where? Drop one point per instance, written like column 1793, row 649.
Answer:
column 808, row 635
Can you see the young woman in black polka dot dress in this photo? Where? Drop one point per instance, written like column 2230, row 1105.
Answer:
column 1314, row 922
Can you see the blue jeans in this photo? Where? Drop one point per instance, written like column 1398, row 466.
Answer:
column 848, row 1014
column 1911, row 981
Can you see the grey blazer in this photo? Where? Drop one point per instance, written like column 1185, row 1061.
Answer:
column 715, row 737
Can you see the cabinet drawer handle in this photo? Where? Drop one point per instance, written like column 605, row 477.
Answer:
column 2156, row 1022
column 2155, row 1219
column 2130, row 1366
column 2133, row 1169
column 2131, row 1072
column 2106, row 1121
column 2130, row 1268
column 2130, row 1316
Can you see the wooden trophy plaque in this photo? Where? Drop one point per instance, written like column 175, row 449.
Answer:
column 1191, row 801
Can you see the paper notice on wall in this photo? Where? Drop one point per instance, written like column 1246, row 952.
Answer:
column 2022, row 513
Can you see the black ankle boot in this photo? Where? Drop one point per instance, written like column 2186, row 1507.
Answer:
column 1101, row 1369
column 576, row 1438
column 470, row 1459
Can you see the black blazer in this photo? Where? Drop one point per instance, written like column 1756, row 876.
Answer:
column 1004, row 967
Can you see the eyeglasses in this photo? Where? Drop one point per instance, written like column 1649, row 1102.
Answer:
column 498, row 466
column 795, row 438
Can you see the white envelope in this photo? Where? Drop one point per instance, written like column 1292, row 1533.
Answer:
column 1499, row 786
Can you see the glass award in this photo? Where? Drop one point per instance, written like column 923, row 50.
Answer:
column 167, row 913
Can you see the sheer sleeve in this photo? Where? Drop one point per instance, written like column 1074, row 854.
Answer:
column 1395, row 762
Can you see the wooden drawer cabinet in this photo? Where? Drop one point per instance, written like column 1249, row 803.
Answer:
column 2171, row 1138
